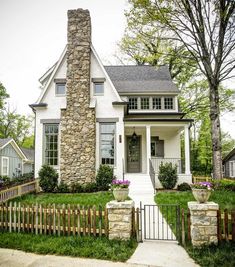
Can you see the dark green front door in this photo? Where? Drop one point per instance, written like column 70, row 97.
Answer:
column 133, row 155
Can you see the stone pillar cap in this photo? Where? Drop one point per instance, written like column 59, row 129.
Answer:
column 128, row 204
column 193, row 205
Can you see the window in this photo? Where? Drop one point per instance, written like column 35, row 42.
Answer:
column 157, row 147
column 157, row 103
column 98, row 88
column 232, row 168
column 133, row 103
column 51, row 132
column 60, row 89
column 168, row 102
column 107, row 143
column 144, row 102
column 5, row 166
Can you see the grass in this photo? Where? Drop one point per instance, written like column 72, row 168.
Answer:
column 208, row 256
column 86, row 199
column 225, row 199
column 87, row 247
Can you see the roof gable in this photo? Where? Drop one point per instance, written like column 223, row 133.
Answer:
column 14, row 145
column 229, row 155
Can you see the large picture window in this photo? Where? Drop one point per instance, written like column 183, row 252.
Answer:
column 51, row 132
column 107, row 143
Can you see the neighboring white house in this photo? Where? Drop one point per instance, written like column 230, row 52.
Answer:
column 138, row 121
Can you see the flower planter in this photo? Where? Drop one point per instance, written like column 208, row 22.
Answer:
column 201, row 195
column 120, row 194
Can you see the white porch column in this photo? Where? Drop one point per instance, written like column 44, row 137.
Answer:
column 148, row 146
column 187, row 149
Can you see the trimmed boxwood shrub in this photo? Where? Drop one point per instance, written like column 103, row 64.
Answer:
column 224, row 184
column 168, row 175
column 184, row 187
column 104, row 177
column 48, row 178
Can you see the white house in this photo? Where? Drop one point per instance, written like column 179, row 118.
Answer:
column 89, row 114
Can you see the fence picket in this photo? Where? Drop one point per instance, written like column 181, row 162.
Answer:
column 15, row 212
column 63, row 219
column 10, row 217
column 226, row 224
column 233, row 225
column 189, row 224
column 78, row 217
column 183, row 228
column 84, row 220
column 69, row 220
column 58, row 219
column 73, row 220
column 54, row 219
column 89, row 220
column 100, row 220
column 94, row 221
column 23, row 218
column 45, row 219
column 106, row 224
column 36, row 219
column 32, row 219
column 19, row 217
column 40, row 218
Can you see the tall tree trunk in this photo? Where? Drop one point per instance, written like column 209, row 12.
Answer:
column 215, row 131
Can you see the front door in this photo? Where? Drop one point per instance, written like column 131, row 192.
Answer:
column 133, row 155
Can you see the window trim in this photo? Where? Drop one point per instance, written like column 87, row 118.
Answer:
column 7, row 173
column 44, row 144
column 56, row 86
column 94, row 84
column 115, row 129
column 232, row 163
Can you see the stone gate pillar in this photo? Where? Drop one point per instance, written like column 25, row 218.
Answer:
column 203, row 217
column 120, row 219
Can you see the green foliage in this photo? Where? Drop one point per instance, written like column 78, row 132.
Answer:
column 76, row 188
column 48, row 178
column 4, row 181
column 28, row 141
column 91, row 199
column 3, row 96
column 85, row 246
column 168, row 175
column 225, row 184
column 104, row 177
column 184, row 187
column 62, row 188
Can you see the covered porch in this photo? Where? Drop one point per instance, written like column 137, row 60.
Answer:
column 149, row 144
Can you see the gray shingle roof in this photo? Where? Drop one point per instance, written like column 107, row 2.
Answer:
column 143, row 78
column 29, row 153
column 3, row 141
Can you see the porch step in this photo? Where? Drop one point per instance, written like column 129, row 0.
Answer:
column 140, row 184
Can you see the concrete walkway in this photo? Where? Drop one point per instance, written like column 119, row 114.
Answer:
column 15, row 258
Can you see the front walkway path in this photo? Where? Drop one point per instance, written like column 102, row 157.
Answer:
column 15, row 258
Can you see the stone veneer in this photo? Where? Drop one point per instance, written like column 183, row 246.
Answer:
column 120, row 219
column 77, row 143
column 203, row 223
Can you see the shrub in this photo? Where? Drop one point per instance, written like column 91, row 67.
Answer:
column 168, row 175
column 62, row 188
column 76, row 188
column 48, row 178
column 104, row 177
column 90, row 187
column 5, row 180
column 226, row 185
column 184, row 187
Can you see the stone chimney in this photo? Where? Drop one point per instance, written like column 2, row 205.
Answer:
column 77, row 142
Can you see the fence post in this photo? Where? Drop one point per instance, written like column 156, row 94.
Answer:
column 120, row 219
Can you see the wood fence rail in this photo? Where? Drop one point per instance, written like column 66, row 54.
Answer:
column 197, row 179
column 226, row 225
column 19, row 190
column 52, row 219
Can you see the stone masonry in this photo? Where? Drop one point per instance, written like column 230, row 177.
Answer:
column 120, row 219
column 203, row 223
column 77, row 145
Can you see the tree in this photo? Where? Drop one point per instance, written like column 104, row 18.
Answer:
column 16, row 126
column 206, row 30
column 3, row 96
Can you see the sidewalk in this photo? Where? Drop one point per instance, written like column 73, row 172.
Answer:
column 15, row 258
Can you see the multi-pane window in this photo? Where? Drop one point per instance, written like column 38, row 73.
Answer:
column 133, row 103
column 5, row 166
column 157, row 103
column 98, row 88
column 60, row 89
column 144, row 102
column 51, row 132
column 168, row 102
column 107, row 143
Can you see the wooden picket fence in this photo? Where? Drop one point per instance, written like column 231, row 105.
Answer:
column 19, row 190
column 53, row 219
column 226, row 225
column 197, row 179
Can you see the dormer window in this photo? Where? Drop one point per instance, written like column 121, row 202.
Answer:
column 144, row 102
column 168, row 102
column 133, row 103
column 157, row 103
column 60, row 87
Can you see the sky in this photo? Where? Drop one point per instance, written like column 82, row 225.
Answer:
column 33, row 35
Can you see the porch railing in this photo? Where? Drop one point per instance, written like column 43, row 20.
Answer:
column 152, row 174
column 175, row 161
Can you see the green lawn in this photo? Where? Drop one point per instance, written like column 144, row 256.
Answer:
column 225, row 199
column 87, row 247
column 208, row 256
column 86, row 199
